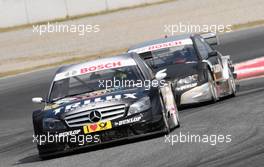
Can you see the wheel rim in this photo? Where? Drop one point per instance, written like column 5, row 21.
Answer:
column 165, row 118
column 212, row 87
column 233, row 85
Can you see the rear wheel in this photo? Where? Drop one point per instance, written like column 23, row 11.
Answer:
column 232, row 84
column 212, row 86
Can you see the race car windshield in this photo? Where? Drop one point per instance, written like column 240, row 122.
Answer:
column 94, row 81
column 170, row 56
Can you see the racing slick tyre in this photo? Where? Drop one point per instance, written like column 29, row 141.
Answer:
column 171, row 107
column 232, row 83
column 165, row 117
column 212, row 86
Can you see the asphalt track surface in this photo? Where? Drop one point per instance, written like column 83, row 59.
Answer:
column 241, row 117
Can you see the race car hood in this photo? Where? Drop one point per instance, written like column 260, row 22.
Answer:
column 178, row 71
column 69, row 104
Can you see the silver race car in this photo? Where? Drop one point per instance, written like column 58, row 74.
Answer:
column 197, row 71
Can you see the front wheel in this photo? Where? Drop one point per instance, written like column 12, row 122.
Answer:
column 170, row 114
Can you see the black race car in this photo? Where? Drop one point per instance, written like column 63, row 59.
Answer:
column 197, row 71
column 102, row 101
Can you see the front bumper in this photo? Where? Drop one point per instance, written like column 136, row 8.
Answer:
column 143, row 124
column 198, row 94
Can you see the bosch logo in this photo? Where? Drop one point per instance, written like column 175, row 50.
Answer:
column 100, row 67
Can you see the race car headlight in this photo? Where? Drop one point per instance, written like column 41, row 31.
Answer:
column 188, row 80
column 53, row 124
column 139, row 106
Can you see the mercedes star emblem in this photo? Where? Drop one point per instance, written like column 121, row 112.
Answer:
column 95, row 116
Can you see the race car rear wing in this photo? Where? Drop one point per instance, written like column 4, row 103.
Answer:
column 211, row 39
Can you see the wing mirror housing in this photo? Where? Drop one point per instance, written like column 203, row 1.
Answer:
column 211, row 38
column 160, row 75
column 212, row 54
column 38, row 100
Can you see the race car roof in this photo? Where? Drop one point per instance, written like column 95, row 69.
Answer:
column 160, row 40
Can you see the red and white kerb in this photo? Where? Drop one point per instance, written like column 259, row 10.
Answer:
column 162, row 46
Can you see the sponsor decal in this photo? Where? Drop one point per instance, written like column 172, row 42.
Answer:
column 162, row 46
column 88, row 68
column 99, row 126
column 66, row 100
column 130, row 95
column 90, row 102
column 69, row 133
column 186, row 86
column 99, row 67
column 217, row 68
column 129, row 121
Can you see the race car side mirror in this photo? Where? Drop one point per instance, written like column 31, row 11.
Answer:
column 211, row 38
column 37, row 100
column 212, row 54
column 160, row 75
